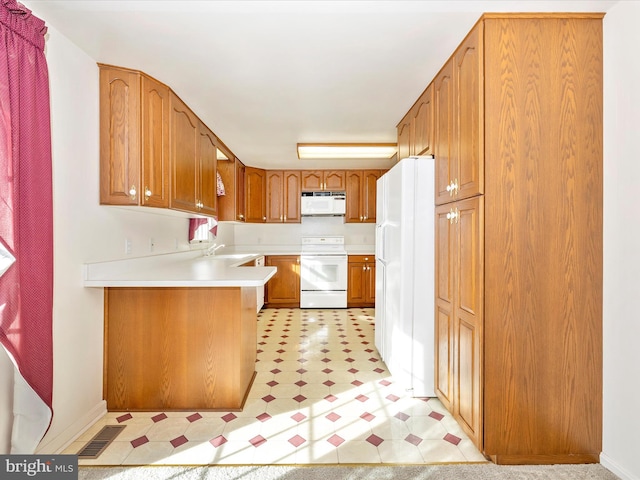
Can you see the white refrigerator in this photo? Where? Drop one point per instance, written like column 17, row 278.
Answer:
column 404, row 313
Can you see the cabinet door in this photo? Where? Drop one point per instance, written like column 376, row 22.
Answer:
column 443, row 133
column 240, row 194
column 469, row 117
column 468, row 315
column 371, row 283
column 444, row 331
column 184, row 141
column 334, row 180
column 207, row 157
column 227, row 202
column 368, row 195
column 356, row 284
column 422, row 124
column 291, row 196
column 353, row 191
column 255, row 180
column 312, row 180
column 404, row 137
column 119, row 137
column 275, row 194
column 284, row 286
column 155, row 144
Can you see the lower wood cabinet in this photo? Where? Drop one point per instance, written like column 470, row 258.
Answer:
column 283, row 290
column 361, row 283
column 459, row 312
column 179, row 348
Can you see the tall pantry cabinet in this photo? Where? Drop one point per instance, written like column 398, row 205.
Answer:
column 518, row 147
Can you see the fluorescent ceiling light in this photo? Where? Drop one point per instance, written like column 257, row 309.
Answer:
column 346, row 150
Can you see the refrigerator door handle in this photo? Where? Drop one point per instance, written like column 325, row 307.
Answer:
column 380, row 243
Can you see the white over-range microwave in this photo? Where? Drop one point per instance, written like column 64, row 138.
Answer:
column 323, row 203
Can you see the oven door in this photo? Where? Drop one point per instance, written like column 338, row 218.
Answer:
column 323, row 272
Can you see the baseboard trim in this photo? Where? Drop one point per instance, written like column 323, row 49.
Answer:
column 614, row 467
column 72, row 432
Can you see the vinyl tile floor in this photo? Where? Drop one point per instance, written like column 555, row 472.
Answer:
column 322, row 395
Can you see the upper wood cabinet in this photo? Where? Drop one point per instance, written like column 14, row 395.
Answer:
column 361, row 195
column 405, row 146
column 231, row 206
column 415, row 130
column 134, row 139
column 459, row 107
column 443, row 133
column 283, row 196
column 207, row 178
column 422, row 124
column 317, row 180
column 255, row 193
column 193, row 160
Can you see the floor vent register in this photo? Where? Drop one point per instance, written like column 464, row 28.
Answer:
column 100, row 442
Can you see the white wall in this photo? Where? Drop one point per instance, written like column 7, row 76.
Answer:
column 621, row 453
column 84, row 231
column 355, row 234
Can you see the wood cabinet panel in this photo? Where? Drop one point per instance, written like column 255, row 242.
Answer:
column 184, row 146
column 201, row 343
column 444, row 291
column 283, row 196
column 543, row 189
column 284, row 287
column 468, row 315
column 240, row 190
column 405, row 147
column 361, row 281
column 155, row 144
column 318, row 180
column 422, row 124
column 206, row 164
column 361, row 195
column 119, row 136
column 443, row 133
column 312, row 180
column 256, row 193
column 468, row 117
column 509, row 327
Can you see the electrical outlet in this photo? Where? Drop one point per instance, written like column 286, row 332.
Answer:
column 127, row 246
column 152, row 244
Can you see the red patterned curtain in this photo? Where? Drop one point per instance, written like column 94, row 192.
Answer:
column 26, row 220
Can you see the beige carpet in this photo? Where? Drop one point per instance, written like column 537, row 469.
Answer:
column 357, row 472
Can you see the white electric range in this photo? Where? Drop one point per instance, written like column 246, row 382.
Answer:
column 323, row 272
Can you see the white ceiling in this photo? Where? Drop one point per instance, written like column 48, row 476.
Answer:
column 265, row 75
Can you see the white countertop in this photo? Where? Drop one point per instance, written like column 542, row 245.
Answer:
column 185, row 269
column 192, row 269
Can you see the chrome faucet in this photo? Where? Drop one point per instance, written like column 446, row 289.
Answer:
column 212, row 249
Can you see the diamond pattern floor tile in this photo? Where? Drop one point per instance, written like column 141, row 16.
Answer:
column 321, row 395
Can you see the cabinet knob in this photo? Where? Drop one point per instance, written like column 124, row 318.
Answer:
column 364, row 268
column 240, row 216
column 366, row 259
column 365, row 218
column 361, row 217
column 264, row 219
column 453, row 216
column 133, row 192
column 147, row 192
column 285, row 218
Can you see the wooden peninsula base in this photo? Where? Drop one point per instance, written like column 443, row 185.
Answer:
column 179, row 348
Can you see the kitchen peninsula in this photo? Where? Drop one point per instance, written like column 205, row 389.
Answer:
column 180, row 330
